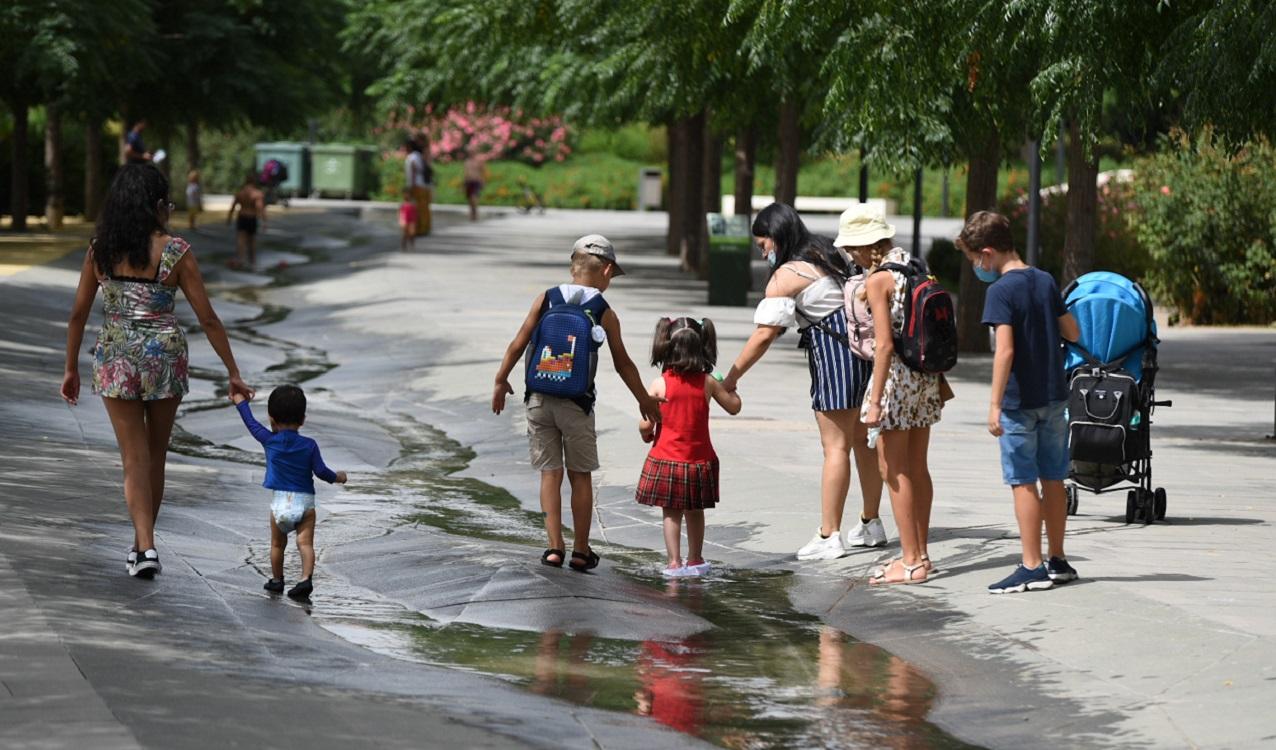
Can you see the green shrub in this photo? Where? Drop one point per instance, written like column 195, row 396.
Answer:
column 1208, row 217
column 635, row 142
column 1116, row 247
column 583, row 181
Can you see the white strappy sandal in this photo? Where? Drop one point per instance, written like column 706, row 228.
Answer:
column 879, row 575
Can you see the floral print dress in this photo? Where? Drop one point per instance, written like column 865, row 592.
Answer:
column 910, row 398
column 140, row 352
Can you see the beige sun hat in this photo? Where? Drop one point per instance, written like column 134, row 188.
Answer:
column 862, row 224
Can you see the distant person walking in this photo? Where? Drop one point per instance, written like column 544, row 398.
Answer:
column 805, row 290
column 407, row 221
column 251, row 202
column 419, row 175
column 134, row 147
column 475, row 177
column 140, row 359
column 194, row 198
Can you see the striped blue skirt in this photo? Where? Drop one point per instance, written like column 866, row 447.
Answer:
column 838, row 378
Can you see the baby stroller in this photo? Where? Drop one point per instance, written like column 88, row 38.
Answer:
column 1112, row 393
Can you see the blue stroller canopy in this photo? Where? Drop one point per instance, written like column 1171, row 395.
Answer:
column 1115, row 317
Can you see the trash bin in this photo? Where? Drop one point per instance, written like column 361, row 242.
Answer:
column 649, row 188
column 296, row 156
column 340, row 169
column 730, row 248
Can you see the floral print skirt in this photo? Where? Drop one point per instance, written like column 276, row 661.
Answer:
column 140, row 362
column 909, row 400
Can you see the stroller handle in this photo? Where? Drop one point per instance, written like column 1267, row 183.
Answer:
column 1167, row 402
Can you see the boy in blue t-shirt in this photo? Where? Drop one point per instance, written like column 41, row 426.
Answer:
column 1029, row 395
column 291, row 459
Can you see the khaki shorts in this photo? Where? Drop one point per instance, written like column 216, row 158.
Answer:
column 558, row 432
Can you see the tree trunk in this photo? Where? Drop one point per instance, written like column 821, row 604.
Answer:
column 712, row 172
column 981, row 195
column 55, row 198
column 786, row 155
column 93, row 177
column 1083, row 206
column 676, row 134
column 192, row 144
column 18, row 184
column 746, row 156
column 695, row 234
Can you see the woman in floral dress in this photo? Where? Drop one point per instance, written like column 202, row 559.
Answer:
column 140, row 359
column 902, row 402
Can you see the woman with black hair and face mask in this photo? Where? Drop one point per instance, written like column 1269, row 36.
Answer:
column 805, row 289
column 140, row 358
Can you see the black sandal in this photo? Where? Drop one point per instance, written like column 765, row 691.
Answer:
column 583, row 561
column 546, row 561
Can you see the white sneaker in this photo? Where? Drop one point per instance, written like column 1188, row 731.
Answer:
column 871, row 534
column 678, row 572
column 821, row 548
column 698, row 569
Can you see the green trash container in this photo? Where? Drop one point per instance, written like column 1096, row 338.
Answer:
column 730, row 248
column 296, row 156
column 340, row 169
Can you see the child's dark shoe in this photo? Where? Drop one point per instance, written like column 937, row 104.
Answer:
column 553, row 558
column 583, row 561
column 275, row 586
column 301, row 590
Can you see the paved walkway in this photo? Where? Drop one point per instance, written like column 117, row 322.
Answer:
column 1167, row 640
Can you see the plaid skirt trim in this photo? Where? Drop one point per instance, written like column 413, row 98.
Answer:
column 678, row 485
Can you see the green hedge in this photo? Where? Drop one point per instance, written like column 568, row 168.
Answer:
column 1208, row 216
column 590, row 180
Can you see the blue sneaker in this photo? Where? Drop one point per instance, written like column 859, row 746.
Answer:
column 1060, row 571
column 1023, row 579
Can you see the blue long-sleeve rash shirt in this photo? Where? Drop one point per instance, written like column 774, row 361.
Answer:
column 291, row 458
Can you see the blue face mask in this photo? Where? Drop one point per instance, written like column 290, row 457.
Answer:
column 986, row 276
column 771, row 260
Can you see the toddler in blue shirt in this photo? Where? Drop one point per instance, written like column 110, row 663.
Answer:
column 291, row 459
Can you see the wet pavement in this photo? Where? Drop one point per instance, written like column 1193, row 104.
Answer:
column 429, row 593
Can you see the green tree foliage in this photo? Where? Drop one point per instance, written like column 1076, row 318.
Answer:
column 227, row 63
column 1206, row 216
column 1221, row 61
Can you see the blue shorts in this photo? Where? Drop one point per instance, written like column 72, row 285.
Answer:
column 1034, row 444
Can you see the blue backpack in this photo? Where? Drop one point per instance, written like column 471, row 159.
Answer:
column 563, row 355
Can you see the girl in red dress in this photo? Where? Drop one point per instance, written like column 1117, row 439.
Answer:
column 681, row 472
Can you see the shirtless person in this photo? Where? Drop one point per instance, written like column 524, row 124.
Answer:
column 252, row 206
column 475, row 176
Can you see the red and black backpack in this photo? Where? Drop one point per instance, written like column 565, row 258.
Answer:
column 928, row 340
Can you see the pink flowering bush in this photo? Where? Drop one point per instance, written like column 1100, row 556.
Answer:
column 1116, row 246
column 492, row 132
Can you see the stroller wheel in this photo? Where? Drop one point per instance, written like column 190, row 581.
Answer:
column 1147, row 507
column 1131, row 505
column 1071, row 491
column 1158, row 502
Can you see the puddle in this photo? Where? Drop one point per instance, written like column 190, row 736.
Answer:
column 765, row 676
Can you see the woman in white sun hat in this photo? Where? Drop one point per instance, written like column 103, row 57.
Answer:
column 901, row 402
column 805, row 290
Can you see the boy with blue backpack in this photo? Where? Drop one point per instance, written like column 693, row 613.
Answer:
column 561, row 336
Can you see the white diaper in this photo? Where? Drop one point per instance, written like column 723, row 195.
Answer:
column 289, row 507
